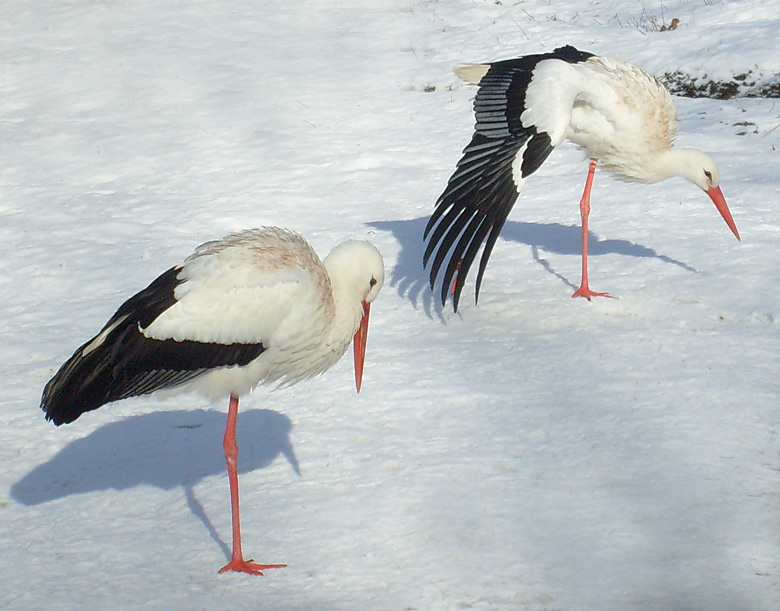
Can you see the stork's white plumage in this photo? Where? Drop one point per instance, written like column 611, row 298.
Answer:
column 255, row 307
column 620, row 116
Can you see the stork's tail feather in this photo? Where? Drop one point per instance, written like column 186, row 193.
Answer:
column 471, row 73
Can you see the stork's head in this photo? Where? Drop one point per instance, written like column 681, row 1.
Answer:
column 357, row 272
column 701, row 170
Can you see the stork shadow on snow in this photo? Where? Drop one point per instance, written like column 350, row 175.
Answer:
column 166, row 449
column 412, row 281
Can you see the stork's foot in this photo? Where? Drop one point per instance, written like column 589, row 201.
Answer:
column 248, row 566
column 584, row 291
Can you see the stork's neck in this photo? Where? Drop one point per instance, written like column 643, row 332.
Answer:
column 347, row 310
column 682, row 162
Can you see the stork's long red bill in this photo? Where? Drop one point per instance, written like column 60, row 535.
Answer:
column 360, row 346
column 716, row 195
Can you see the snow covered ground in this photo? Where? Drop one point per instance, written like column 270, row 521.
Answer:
column 534, row 452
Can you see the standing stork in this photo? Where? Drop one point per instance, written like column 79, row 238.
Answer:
column 620, row 116
column 256, row 307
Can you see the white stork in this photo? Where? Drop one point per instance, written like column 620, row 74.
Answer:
column 620, row 116
column 256, row 307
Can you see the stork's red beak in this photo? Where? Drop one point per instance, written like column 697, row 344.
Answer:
column 360, row 346
column 716, row 195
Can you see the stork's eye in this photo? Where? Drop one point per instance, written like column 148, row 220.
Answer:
column 372, row 282
column 708, row 174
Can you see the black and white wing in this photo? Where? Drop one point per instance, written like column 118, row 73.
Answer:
column 503, row 152
column 121, row 361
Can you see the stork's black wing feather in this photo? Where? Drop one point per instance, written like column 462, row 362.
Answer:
column 122, row 362
column 480, row 194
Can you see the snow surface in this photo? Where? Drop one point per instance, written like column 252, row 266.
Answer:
column 532, row 452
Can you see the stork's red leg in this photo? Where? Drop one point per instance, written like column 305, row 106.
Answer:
column 454, row 285
column 584, row 290
column 237, row 562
